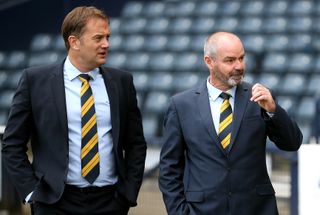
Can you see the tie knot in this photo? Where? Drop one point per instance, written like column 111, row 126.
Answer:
column 84, row 77
column 224, row 95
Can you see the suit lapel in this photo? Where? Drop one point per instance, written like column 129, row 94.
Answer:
column 205, row 113
column 59, row 97
column 240, row 104
column 114, row 104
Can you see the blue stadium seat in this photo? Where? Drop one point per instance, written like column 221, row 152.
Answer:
column 116, row 59
column 227, row 24
column 3, row 117
column 150, row 124
column 42, row 42
column 187, row 61
column 140, row 80
column 276, row 8
column 276, row 42
column 179, row 8
column 116, row 42
column 132, row 9
column 300, row 42
column 197, row 42
column 274, row 25
column 301, row 63
column 156, row 102
column 249, row 25
column 250, row 62
column 270, row 80
column 203, row 25
column 250, row 78
column 301, row 7
column 275, row 62
column 133, row 42
column 3, row 60
column 13, row 78
column 252, row 8
column 289, row 103
column 253, row 43
column 316, row 43
column 228, row 8
column 3, row 79
column 133, row 25
column 157, row 25
column 160, row 81
column 293, row 84
column 17, row 60
column 306, row 109
column 313, row 85
column 43, row 58
column 299, row 24
column 206, row 8
column 58, row 43
column 115, row 24
column 180, row 25
column 162, row 61
column 153, row 9
column 156, row 42
column 137, row 61
column 178, row 42
column 185, row 80
column 6, row 99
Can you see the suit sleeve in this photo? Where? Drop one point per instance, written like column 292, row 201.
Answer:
column 283, row 131
column 172, row 164
column 15, row 139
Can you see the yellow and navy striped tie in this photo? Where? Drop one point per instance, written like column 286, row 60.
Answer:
column 89, row 142
column 225, row 125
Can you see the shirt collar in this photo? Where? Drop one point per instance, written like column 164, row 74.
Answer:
column 215, row 92
column 72, row 72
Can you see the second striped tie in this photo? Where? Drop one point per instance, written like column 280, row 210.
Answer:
column 89, row 142
column 225, row 125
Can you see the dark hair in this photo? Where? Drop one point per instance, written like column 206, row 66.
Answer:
column 75, row 21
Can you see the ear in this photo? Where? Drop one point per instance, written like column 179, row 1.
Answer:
column 73, row 42
column 208, row 61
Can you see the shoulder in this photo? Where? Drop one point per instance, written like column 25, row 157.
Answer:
column 44, row 70
column 188, row 95
column 115, row 73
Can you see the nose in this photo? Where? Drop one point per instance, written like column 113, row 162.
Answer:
column 239, row 64
column 105, row 43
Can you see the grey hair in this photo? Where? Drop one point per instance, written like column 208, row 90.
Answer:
column 210, row 47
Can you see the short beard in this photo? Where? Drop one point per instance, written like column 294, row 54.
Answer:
column 233, row 83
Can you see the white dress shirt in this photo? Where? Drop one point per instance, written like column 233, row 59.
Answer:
column 73, row 84
column 215, row 102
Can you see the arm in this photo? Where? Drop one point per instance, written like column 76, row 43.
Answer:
column 282, row 130
column 172, row 164
column 135, row 147
column 15, row 139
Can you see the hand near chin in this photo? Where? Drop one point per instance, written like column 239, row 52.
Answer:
column 263, row 97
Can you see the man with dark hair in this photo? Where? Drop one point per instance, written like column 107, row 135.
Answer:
column 84, row 125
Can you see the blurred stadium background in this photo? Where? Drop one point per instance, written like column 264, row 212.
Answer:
column 161, row 43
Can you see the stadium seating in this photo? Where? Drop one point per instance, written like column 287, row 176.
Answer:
column 161, row 43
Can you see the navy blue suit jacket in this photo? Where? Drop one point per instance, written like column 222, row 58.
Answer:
column 197, row 176
column 39, row 112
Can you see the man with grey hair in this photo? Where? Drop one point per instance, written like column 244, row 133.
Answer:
column 213, row 155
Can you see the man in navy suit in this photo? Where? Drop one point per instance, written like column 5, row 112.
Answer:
column 52, row 107
column 204, row 172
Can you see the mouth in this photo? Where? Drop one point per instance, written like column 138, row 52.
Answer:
column 102, row 54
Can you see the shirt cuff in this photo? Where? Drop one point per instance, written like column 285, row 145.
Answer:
column 28, row 198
